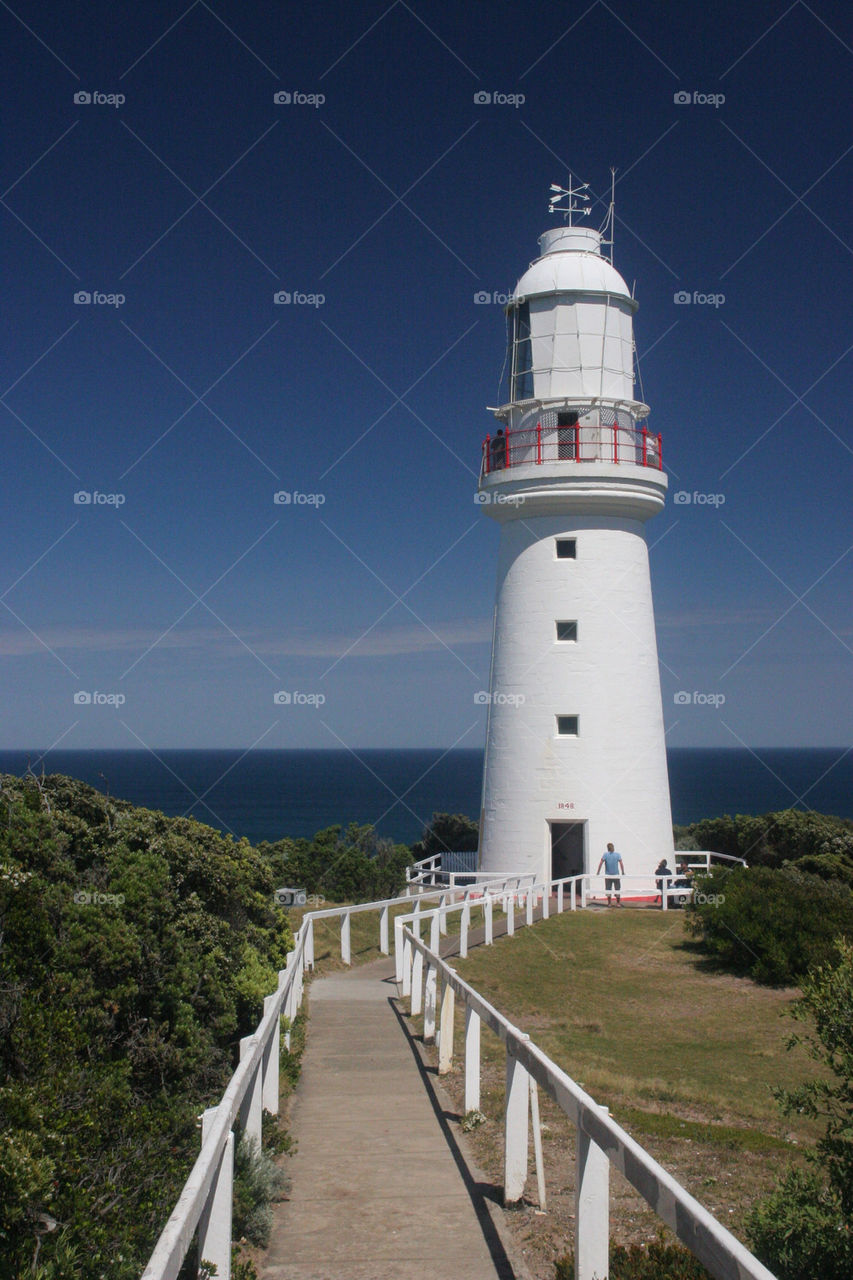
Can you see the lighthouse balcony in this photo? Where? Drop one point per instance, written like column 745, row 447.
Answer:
column 572, row 446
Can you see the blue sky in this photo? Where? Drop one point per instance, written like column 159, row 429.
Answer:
column 185, row 597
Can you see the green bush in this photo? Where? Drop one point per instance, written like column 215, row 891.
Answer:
column 352, row 865
column 814, row 842
column 258, row 1183
column 772, row 925
column 447, row 833
column 136, row 949
column 803, row 1228
column 800, row 1232
column 655, row 1261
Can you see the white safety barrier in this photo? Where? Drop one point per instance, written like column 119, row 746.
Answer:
column 434, row 988
column 205, row 1202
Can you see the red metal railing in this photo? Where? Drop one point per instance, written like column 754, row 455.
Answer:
column 573, row 444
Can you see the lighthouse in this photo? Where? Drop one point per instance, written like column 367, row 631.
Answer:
column 575, row 756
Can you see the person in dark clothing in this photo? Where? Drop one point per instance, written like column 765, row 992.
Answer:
column 662, row 870
column 498, row 458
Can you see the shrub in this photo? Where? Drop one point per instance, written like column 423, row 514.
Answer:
column 258, row 1182
column 136, row 949
column 803, row 1229
column 773, row 839
column 655, row 1261
column 773, row 925
column 799, row 1230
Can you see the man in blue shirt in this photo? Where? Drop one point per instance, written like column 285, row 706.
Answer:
column 612, row 863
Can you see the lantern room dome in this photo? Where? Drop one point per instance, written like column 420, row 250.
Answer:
column 571, row 262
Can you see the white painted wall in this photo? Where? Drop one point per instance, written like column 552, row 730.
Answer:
column 614, row 773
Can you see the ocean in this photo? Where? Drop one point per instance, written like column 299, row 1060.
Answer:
column 265, row 795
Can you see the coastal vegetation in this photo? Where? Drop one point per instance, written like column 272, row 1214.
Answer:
column 135, row 950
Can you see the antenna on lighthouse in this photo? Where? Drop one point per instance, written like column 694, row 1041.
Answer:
column 574, row 194
column 609, row 224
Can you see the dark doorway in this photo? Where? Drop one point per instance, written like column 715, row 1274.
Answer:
column 567, row 849
column 567, row 437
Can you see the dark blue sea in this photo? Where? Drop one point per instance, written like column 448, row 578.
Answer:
column 268, row 794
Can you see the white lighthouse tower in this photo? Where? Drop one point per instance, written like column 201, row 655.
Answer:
column 575, row 754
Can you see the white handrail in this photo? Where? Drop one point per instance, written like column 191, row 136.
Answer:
column 601, row 1141
column 256, row 1077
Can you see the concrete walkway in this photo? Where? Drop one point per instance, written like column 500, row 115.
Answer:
column 380, row 1189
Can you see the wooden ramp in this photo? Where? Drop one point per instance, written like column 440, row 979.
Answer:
column 380, row 1190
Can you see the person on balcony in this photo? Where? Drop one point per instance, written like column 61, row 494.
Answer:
column 498, row 451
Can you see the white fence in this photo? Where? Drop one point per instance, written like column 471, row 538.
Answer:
column 433, row 988
column 205, row 1203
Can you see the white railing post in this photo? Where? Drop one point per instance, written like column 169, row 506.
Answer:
column 282, row 979
column 516, row 1109
column 464, row 925
column 472, row 1059
column 252, row 1105
column 272, row 1050
column 445, row 1038
column 398, row 950
column 560, row 889
column 434, row 930
column 430, row 1001
column 214, row 1227
column 546, row 900
column 664, row 893
column 407, row 968
column 442, row 915
column 510, row 915
column 346, row 947
column 537, row 1143
column 584, row 887
column 528, row 907
column 487, row 918
column 383, row 931
column 309, row 945
column 417, row 991
column 592, row 1208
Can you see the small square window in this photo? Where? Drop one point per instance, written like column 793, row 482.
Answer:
column 567, row 549
column 567, row 631
column 567, row 726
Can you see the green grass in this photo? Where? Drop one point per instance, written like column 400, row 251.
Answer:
column 619, row 1001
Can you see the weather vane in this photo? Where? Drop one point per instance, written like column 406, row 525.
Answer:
column 574, row 194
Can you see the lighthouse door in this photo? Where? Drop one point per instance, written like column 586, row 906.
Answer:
column 567, row 849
